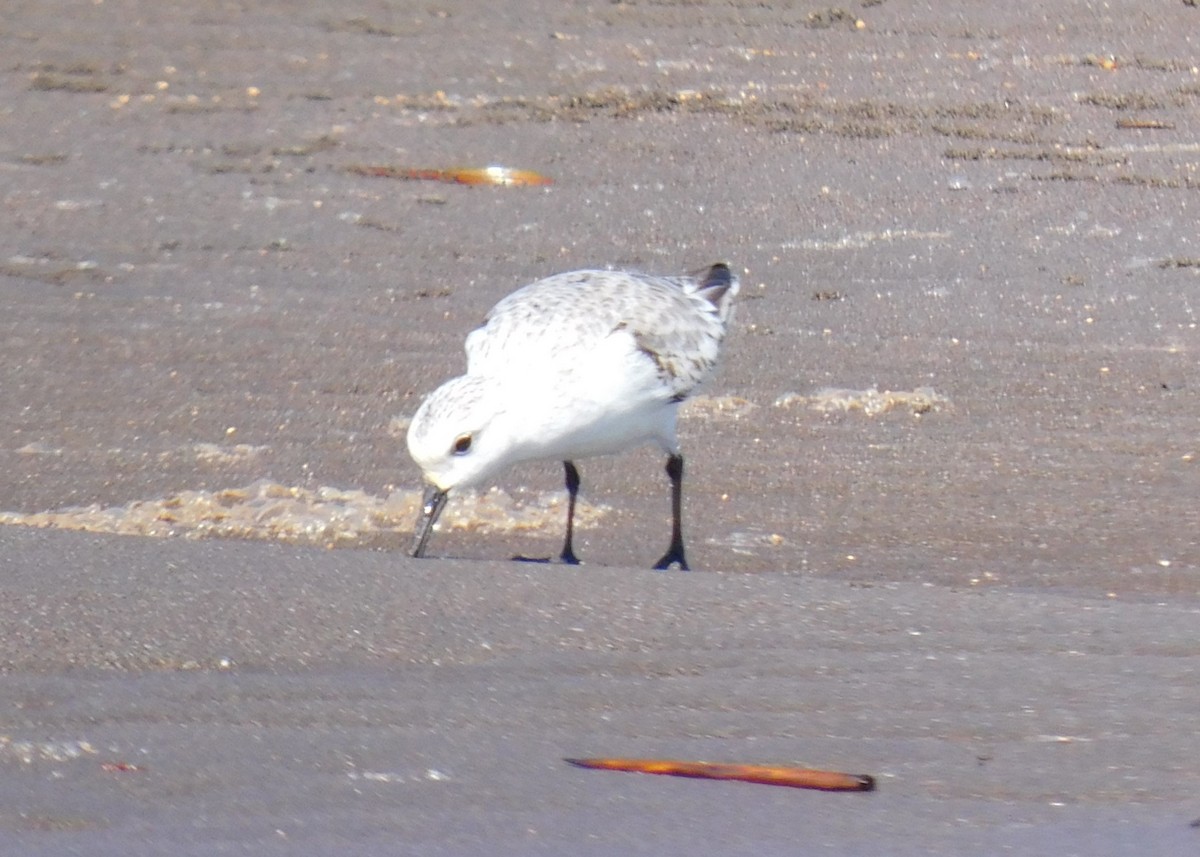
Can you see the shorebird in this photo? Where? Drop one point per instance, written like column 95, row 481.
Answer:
column 577, row 364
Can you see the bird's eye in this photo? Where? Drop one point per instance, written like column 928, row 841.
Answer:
column 462, row 444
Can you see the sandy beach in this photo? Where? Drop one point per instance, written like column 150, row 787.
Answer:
column 941, row 497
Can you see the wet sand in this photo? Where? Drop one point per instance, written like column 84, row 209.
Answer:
column 942, row 493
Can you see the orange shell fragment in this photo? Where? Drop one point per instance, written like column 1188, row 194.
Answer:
column 504, row 176
column 771, row 775
column 498, row 176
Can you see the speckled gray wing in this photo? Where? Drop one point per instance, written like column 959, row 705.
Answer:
column 678, row 323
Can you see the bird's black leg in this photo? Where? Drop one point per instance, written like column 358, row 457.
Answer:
column 674, row 553
column 572, row 480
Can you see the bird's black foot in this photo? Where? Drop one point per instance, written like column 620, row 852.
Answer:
column 672, row 557
column 548, row 560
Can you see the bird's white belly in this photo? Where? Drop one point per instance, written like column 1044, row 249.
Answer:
column 611, row 402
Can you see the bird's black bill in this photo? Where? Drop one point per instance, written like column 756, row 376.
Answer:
column 431, row 507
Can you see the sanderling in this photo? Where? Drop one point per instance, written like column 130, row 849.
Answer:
column 578, row 364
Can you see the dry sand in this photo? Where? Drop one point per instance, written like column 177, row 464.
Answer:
column 943, row 493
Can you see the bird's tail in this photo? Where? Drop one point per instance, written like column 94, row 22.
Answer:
column 718, row 285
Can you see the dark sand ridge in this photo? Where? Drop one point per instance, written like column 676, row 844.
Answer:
column 988, row 601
